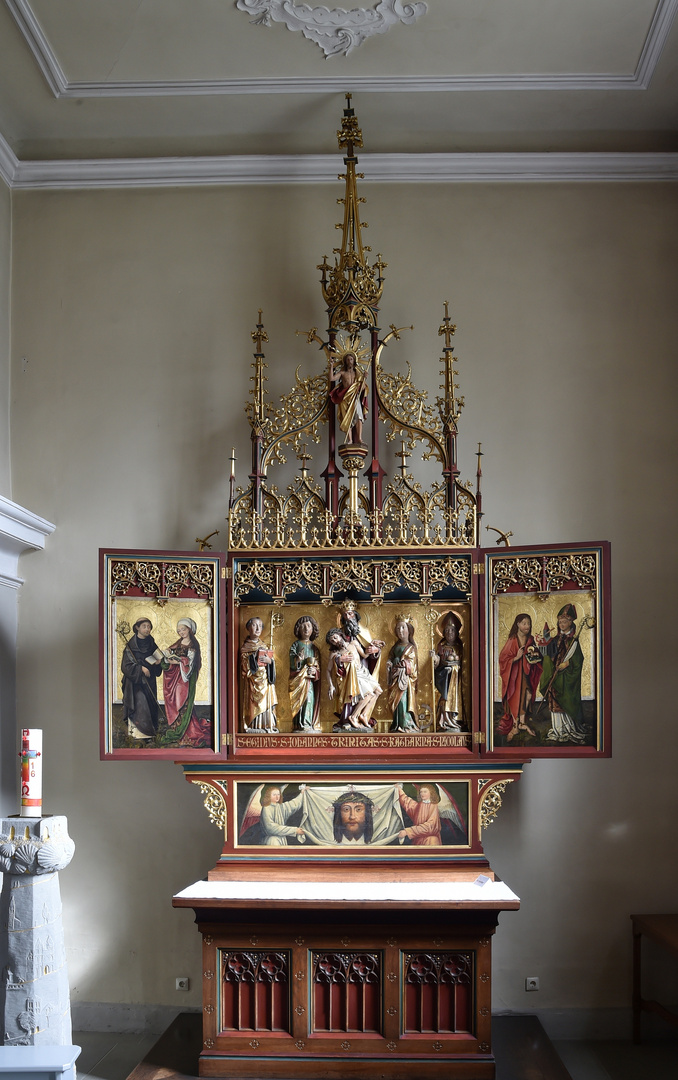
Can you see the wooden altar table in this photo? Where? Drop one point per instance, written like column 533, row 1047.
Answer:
column 339, row 979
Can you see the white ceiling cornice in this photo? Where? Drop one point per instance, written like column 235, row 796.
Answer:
column 8, row 162
column 60, row 86
column 324, row 168
column 20, row 531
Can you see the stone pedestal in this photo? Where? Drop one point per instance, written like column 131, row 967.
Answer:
column 34, row 998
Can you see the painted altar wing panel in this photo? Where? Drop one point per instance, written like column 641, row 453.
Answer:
column 545, row 639
column 161, row 653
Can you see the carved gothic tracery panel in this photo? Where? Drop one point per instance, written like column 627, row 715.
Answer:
column 255, row 991
column 346, row 991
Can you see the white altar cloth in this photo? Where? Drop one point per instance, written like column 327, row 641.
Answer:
column 430, row 891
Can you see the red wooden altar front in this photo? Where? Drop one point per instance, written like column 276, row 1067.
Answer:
column 348, row 979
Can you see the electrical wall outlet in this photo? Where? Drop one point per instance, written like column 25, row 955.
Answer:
column 183, row 983
column 532, row 982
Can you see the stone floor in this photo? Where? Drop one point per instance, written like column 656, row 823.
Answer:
column 522, row 1050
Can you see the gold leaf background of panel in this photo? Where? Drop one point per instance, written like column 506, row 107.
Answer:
column 508, row 605
column 164, row 619
column 379, row 619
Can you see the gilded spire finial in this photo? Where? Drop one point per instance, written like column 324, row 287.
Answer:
column 351, row 288
column 257, row 410
column 451, row 405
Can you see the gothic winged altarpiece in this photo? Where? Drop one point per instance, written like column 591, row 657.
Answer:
column 353, row 688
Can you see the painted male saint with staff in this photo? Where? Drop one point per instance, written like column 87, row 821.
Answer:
column 560, row 684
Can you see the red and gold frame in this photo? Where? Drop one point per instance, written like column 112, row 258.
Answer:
column 166, row 703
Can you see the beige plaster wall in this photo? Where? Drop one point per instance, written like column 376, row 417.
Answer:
column 134, row 311
column 5, row 273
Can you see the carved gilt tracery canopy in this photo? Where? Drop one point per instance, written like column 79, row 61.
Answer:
column 355, row 395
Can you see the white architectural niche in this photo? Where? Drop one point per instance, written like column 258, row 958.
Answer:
column 336, row 30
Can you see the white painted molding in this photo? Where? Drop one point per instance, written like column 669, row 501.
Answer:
column 8, row 162
column 324, row 168
column 39, row 45
column 335, row 30
column 640, row 79
column 20, row 531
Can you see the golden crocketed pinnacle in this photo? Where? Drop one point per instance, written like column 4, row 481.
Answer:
column 351, row 287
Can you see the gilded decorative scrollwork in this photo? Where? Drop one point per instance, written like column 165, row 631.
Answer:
column 179, row 576
column 450, row 571
column 162, row 579
column 490, row 800
column 300, row 415
column 516, row 571
column 351, row 574
column 128, row 572
column 256, row 575
column 304, row 574
column 545, row 573
column 376, row 576
column 561, row 569
column 215, row 802
column 401, row 401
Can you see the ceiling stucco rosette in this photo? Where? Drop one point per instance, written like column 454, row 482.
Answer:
column 336, row 30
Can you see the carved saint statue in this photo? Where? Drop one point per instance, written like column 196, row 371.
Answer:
column 351, row 683
column 402, row 671
column 257, row 668
column 349, row 394
column 370, row 648
column 305, row 675
column 447, row 664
